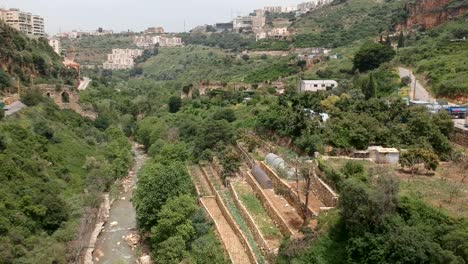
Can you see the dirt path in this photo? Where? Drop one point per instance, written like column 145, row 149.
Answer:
column 229, row 238
column 314, row 201
column 293, row 219
column 200, row 182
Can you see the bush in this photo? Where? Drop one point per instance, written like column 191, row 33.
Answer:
column 175, row 103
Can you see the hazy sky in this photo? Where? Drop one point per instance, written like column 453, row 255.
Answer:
column 137, row 15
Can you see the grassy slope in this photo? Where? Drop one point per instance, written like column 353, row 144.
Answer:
column 94, row 49
column 193, row 64
column 339, row 25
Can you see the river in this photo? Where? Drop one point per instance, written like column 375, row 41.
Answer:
column 114, row 244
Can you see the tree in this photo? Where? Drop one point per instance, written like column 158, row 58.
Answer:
column 371, row 55
column 171, row 251
column 4, row 80
column 2, row 113
column 413, row 157
column 369, row 88
column 302, row 64
column 226, row 114
column 401, row 40
column 156, row 184
column 174, row 220
column 175, row 103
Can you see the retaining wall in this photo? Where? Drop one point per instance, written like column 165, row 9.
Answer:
column 235, row 227
column 259, row 239
column 324, row 192
column 225, row 246
column 460, row 137
column 286, row 190
column 271, row 210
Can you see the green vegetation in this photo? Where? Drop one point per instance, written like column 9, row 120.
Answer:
column 271, row 44
column 191, row 65
column 342, row 24
column 227, row 199
column 443, row 62
column 46, row 187
column 372, row 55
column 225, row 40
column 262, row 220
column 93, row 50
column 29, row 60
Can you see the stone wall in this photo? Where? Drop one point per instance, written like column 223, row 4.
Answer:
column 326, row 194
column 271, row 210
column 235, row 227
column 460, row 137
column 289, row 193
column 226, row 252
column 259, row 239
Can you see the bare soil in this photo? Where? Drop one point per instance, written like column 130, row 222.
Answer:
column 233, row 244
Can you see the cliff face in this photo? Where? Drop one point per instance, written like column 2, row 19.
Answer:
column 431, row 13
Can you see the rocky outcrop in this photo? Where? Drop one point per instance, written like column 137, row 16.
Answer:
column 427, row 14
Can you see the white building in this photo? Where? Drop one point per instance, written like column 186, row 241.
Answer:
column 121, row 59
column 279, row 32
column 288, row 9
column 273, row 9
column 162, row 41
column 55, row 44
column 384, row 155
column 317, row 85
column 29, row 24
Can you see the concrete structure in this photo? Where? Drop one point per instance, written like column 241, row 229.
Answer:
column 29, row 24
column 55, row 44
column 154, row 30
column 384, row 155
column 121, row 59
column 162, row 41
column 279, row 32
column 288, row 9
column 222, row 27
column 273, row 9
column 317, row 85
column 242, row 23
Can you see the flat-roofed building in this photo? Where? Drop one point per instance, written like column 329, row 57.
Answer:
column 29, row 24
column 121, row 59
column 55, row 44
column 317, row 85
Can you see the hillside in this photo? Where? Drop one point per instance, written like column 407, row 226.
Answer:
column 341, row 24
column 29, row 60
column 442, row 62
column 93, row 50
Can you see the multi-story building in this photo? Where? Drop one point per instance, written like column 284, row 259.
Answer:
column 121, row 59
column 154, row 30
column 273, row 9
column 55, row 44
column 288, row 9
column 242, row 22
column 162, row 41
column 29, row 24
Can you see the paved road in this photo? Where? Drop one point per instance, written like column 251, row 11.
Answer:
column 460, row 123
column 13, row 108
column 84, row 84
column 421, row 93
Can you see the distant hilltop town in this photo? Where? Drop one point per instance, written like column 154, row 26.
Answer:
column 255, row 22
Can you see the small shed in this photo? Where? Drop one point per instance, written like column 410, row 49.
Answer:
column 384, row 155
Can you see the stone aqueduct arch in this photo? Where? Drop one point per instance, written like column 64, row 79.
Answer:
column 65, row 97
